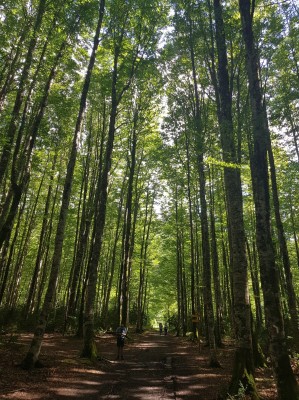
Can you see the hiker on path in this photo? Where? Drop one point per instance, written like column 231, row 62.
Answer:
column 121, row 334
column 165, row 330
column 160, row 328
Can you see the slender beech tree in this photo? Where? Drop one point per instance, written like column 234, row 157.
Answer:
column 243, row 363
column 149, row 208
column 127, row 228
column 191, row 232
column 42, row 245
column 111, row 272
column 287, row 386
column 181, row 289
column 216, row 271
column 295, row 235
column 7, row 261
column 290, row 292
column 206, row 256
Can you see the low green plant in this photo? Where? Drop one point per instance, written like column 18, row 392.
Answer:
column 241, row 395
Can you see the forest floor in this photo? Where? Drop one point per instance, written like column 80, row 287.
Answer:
column 154, row 367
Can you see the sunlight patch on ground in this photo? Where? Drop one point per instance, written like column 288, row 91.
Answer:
column 19, row 395
column 90, row 371
column 150, row 345
column 144, row 393
column 198, row 376
column 71, row 392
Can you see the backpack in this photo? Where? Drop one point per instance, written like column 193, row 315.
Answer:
column 121, row 331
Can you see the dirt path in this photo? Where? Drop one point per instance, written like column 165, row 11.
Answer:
column 161, row 367
column 155, row 367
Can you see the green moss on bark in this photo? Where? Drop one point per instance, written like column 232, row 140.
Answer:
column 242, row 377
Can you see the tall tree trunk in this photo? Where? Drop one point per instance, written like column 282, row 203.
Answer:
column 181, row 303
column 216, row 273
column 45, row 265
column 23, row 247
column 41, row 246
column 113, row 255
column 184, row 286
column 253, row 267
column 243, row 364
column 143, row 261
column 127, row 229
column 294, row 130
column 191, row 232
column 294, row 232
column 206, row 257
column 287, row 386
column 207, row 292
column 31, row 357
column 228, row 295
column 142, row 269
column 11, row 251
column 290, row 292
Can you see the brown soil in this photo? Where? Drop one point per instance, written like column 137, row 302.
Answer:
column 155, row 367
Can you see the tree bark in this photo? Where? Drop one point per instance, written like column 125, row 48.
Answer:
column 243, row 364
column 253, row 267
column 113, row 255
column 287, row 387
column 181, row 281
column 206, row 257
column 290, row 291
column 216, row 273
column 41, row 247
column 143, row 261
column 191, row 233
column 294, row 232
column 127, row 229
